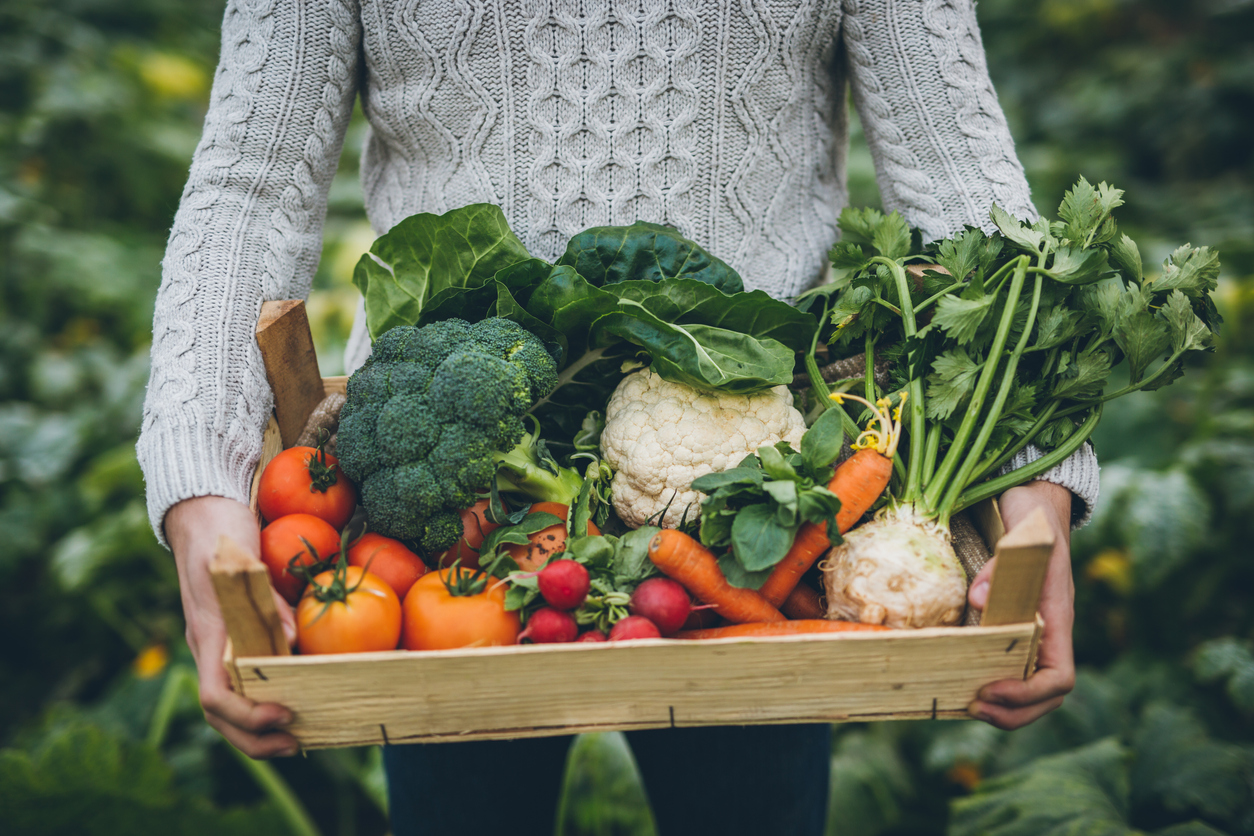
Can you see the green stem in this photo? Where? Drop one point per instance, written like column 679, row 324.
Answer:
column 1127, row 390
column 1025, row 474
column 940, row 481
column 973, row 455
column 871, row 388
column 929, row 300
column 998, row 461
column 280, row 794
column 918, row 419
column 822, row 392
column 931, row 450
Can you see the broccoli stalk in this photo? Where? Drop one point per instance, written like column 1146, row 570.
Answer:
column 531, row 470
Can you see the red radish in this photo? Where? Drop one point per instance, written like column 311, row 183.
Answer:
column 564, row 584
column 592, row 636
column 549, row 626
column 664, row 602
column 634, row 627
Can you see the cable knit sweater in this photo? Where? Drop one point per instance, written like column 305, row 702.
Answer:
column 724, row 119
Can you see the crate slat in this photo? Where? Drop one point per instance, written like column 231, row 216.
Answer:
column 495, row 693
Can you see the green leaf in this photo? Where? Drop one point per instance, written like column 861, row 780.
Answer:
column 1231, row 661
column 1102, row 301
column 1142, row 336
column 1056, row 326
column 1086, row 211
column 631, row 556
column 858, row 225
column 961, row 254
column 1015, row 231
column 850, row 305
column 821, row 444
column 892, row 236
column 1179, row 767
column 1083, row 791
column 759, row 541
column 962, row 317
column 1075, row 266
column 738, row 577
column 1127, row 258
column 1163, row 516
column 1084, row 378
column 1193, row 270
column 711, row 482
column 951, row 382
column 872, row 784
column 588, row 439
column 847, row 257
column 1188, row 332
column 606, row 255
column 786, row 500
column 774, row 465
column 425, row 254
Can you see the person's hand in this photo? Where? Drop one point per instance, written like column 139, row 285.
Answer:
column 192, row 528
column 1012, row 703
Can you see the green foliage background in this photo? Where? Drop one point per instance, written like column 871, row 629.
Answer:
column 100, row 108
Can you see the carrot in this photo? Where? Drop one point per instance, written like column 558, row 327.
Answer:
column 684, row 559
column 786, row 628
column 804, row 602
column 858, row 482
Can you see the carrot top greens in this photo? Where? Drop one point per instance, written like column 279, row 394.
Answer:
column 1008, row 339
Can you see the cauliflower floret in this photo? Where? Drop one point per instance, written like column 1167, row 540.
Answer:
column 659, row 436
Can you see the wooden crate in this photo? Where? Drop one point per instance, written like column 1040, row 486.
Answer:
column 537, row 690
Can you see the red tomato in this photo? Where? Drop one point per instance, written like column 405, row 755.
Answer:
column 368, row 618
column 281, row 543
column 435, row 619
column 389, row 559
column 301, row 480
column 475, row 527
column 547, row 541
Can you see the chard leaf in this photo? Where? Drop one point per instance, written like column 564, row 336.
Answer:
column 1015, row 231
column 1072, row 265
column 1084, row 378
column 1193, row 270
column 606, row 255
column 1056, row 326
column 1142, row 337
column 961, row 254
column 758, row 539
column 820, row 446
column 425, row 254
column 1188, row 332
column 892, row 236
column 950, row 384
column 1127, row 257
column 962, row 317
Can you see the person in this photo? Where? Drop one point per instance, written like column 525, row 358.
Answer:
column 727, row 121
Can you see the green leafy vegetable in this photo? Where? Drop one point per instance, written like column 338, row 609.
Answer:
column 607, row 255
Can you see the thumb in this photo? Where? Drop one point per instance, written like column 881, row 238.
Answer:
column 977, row 595
column 287, row 616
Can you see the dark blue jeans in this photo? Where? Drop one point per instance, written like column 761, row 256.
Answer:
column 758, row 780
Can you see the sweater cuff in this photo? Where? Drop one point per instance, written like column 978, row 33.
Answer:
column 181, row 462
column 1079, row 473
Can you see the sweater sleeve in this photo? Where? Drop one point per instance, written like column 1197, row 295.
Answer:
column 248, row 229
column 942, row 150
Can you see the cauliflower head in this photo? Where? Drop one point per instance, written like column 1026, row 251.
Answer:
column 659, row 436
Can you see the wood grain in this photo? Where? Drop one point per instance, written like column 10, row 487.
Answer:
column 1022, row 557
column 537, row 690
column 287, row 350
column 247, row 601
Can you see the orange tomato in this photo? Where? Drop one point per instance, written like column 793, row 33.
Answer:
column 547, row 541
column 369, row 617
column 281, row 543
column 475, row 527
column 438, row 620
column 301, row 481
column 389, row 559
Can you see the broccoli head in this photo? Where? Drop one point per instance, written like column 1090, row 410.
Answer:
column 430, row 414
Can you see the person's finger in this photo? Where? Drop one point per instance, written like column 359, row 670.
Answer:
column 977, row 595
column 1008, row 719
column 1045, row 684
column 257, row 746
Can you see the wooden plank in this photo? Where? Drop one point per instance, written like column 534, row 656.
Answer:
column 1022, row 557
column 334, row 385
column 537, row 690
column 287, row 350
column 916, row 271
column 247, row 601
column 986, row 516
column 271, row 446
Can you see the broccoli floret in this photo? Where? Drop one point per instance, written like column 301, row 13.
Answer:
column 432, row 413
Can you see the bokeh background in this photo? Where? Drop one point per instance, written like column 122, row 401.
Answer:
column 101, row 103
